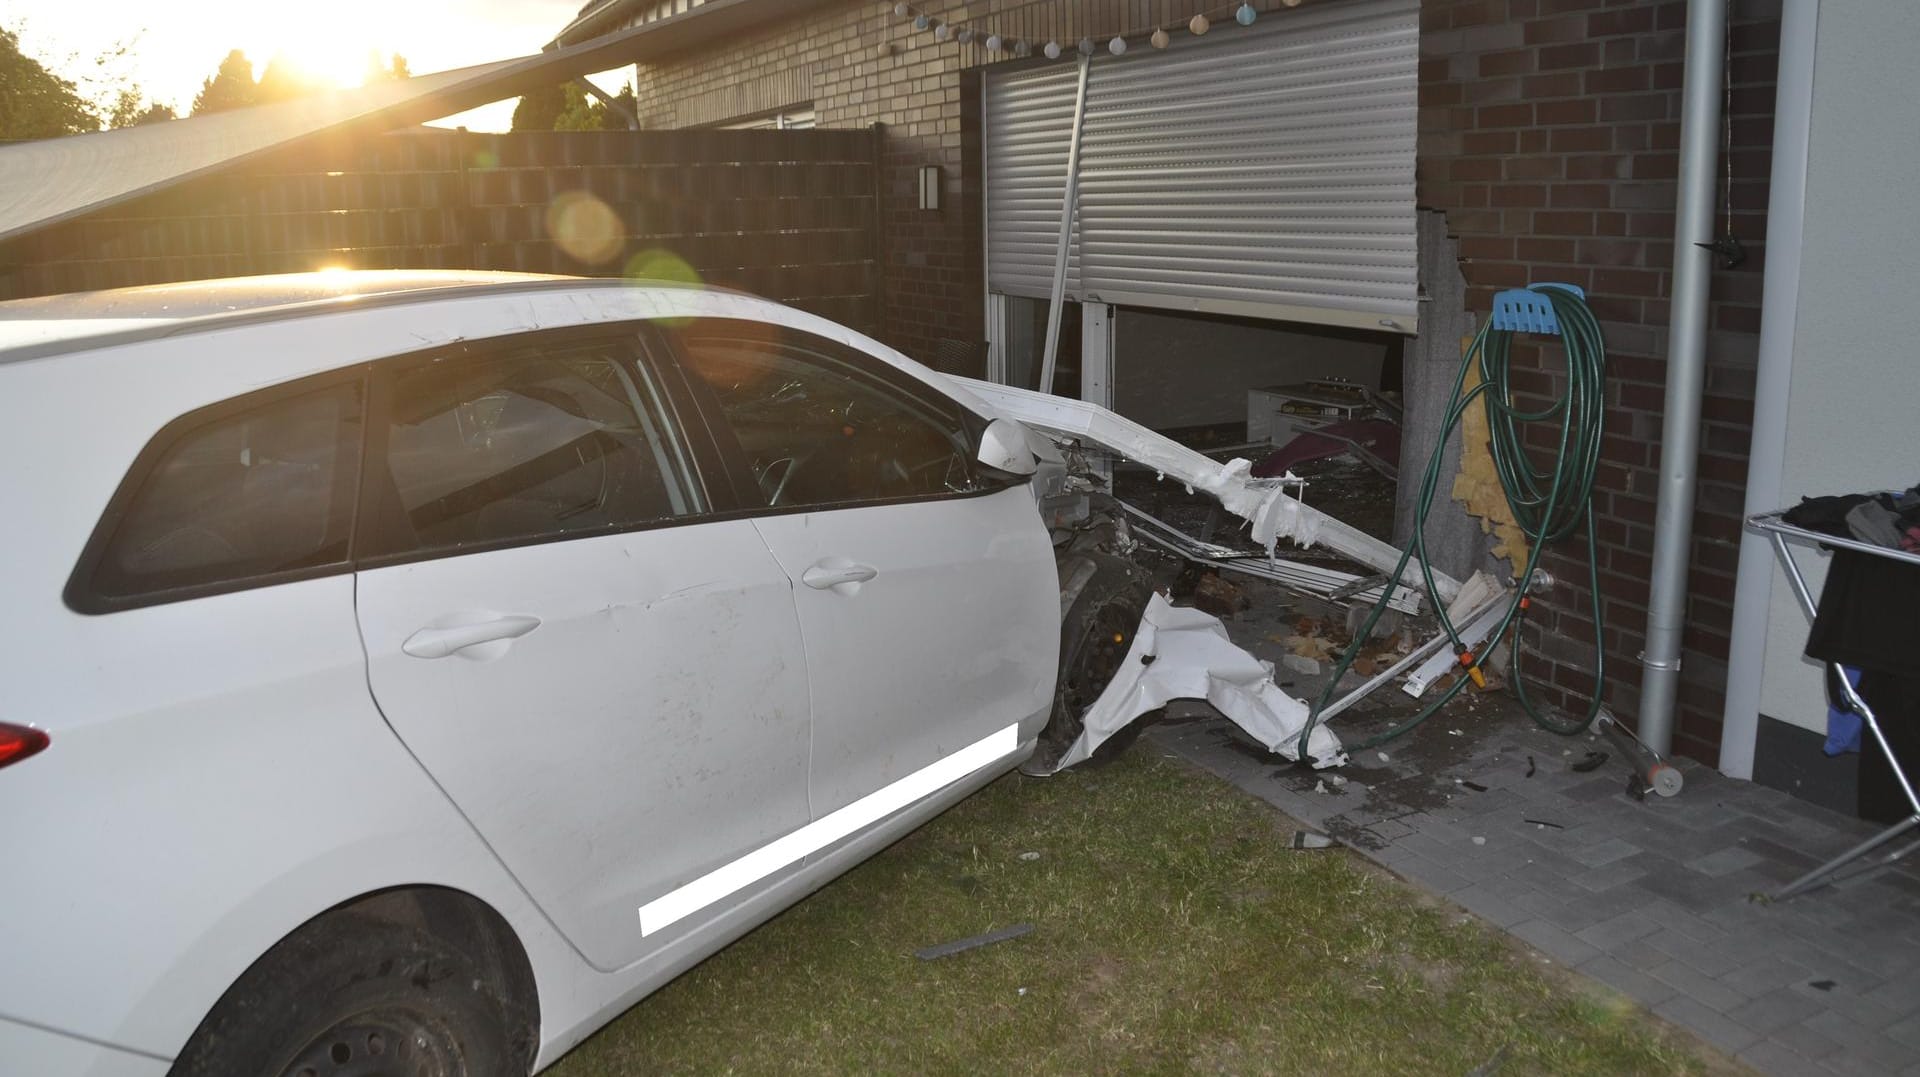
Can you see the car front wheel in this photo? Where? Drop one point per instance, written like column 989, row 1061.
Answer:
column 351, row 996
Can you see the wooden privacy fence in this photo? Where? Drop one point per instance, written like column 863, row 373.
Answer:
column 790, row 215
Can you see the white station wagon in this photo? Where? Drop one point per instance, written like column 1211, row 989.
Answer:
column 406, row 673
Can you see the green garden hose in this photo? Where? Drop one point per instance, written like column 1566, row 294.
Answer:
column 1550, row 495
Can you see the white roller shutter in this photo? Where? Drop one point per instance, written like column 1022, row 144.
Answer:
column 1265, row 172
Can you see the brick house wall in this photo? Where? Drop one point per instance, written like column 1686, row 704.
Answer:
column 1548, row 136
column 1549, row 133
column 861, row 65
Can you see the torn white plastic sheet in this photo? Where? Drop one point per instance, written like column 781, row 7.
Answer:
column 1182, row 653
column 1264, row 503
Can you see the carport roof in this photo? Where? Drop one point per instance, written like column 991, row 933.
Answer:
column 43, row 183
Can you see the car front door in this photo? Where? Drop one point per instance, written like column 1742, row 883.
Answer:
column 925, row 583
column 605, row 678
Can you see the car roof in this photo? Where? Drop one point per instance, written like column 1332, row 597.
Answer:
column 47, row 325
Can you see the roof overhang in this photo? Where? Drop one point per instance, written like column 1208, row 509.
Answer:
column 687, row 29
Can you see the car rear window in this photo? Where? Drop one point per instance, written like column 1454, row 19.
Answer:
column 246, row 496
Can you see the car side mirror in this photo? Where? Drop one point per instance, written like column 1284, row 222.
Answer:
column 1004, row 446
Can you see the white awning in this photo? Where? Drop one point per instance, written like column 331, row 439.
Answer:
column 45, row 182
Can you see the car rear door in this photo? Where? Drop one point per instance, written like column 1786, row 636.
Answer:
column 925, row 585
column 605, row 678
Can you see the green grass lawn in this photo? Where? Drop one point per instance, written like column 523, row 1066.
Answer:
column 1174, row 932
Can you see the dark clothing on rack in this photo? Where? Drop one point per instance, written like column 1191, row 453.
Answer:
column 1869, row 617
column 1827, row 515
column 1869, row 614
column 1896, row 703
column 1880, row 519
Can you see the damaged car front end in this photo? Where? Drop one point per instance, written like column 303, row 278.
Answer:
column 1126, row 651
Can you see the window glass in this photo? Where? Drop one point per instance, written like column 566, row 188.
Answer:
column 816, row 429
column 524, row 445
column 264, row 491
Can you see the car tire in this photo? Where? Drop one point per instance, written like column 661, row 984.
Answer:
column 1095, row 635
column 352, row 996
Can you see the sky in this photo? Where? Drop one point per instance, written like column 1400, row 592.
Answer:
column 172, row 47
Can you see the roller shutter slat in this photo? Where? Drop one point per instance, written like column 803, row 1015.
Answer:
column 1266, row 171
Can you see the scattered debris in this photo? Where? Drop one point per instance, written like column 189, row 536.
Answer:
column 1594, row 761
column 1478, row 840
column 1029, row 857
column 1822, row 985
column 1023, row 992
column 1337, row 781
column 1483, row 593
column 1530, row 767
column 1320, row 786
column 1492, row 1065
column 1456, row 733
column 1475, row 786
column 1219, row 596
column 1382, row 755
column 1307, row 839
column 1543, row 823
column 1301, row 664
column 972, row 942
column 1373, row 442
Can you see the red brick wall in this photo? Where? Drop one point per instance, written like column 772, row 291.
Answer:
column 1548, row 134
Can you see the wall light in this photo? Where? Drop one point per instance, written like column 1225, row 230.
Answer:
column 930, row 187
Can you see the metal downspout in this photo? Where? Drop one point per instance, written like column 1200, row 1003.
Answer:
column 1786, row 217
column 1069, row 201
column 1700, row 101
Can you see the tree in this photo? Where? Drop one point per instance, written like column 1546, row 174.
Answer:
column 132, row 109
column 568, row 107
column 155, row 113
column 582, row 112
column 392, row 69
column 615, row 119
column 540, row 110
column 35, row 102
column 231, row 86
column 285, row 79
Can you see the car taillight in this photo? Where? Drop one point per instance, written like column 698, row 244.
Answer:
column 18, row 742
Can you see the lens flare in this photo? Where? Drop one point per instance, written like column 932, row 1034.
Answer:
column 586, row 228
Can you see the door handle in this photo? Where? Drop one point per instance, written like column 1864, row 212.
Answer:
column 441, row 642
column 835, row 573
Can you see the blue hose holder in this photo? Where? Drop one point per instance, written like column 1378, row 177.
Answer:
column 1525, row 310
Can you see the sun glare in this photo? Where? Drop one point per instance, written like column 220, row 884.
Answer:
column 327, row 55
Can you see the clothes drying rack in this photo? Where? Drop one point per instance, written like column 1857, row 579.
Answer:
column 1784, row 536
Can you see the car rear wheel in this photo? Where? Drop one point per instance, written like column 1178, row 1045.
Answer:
column 350, row 996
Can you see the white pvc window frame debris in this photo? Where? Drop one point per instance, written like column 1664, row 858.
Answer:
column 1264, row 503
column 1182, row 653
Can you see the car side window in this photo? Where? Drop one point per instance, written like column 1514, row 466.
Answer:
column 236, row 499
column 538, row 442
column 817, row 427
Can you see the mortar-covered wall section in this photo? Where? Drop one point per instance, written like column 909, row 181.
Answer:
column 1549, row 134
column 859, row 64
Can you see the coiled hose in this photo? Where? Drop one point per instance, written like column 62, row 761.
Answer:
column 1550, row 495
